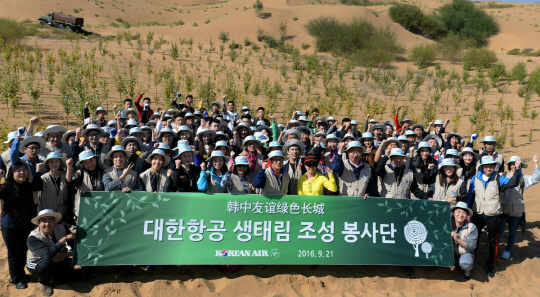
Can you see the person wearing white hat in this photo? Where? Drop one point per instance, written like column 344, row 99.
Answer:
column 385, row 147
column 439, row 126
column 378, row 132
column 467, row 163
column 6, row 159
column 435, row 142
column 100, row 113
column 454, row 141
column 390, row 129
column 210, row 181
column 448, row 186
column 512, row 202
column 294, row 150
column 156, row 179
column 353, row 174
column 53, row 135
column 290, row 135
column 88, row 178
column 133, row 146
column 256, row 159
column 465, row 237
column 396, row 180
column 91, row 134
column 186, row 174
column 18, row 209
column 424, row 168
column 131, row 114
column 48, row 250
column 490, row 145
column 30, row 147
column 55, row 185
column 273, row 180
column 236, row 180
column 119, row 177
column 368, row 141
column 485, row 191
column 205, row 145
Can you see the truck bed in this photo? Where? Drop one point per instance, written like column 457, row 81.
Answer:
column 66, row 18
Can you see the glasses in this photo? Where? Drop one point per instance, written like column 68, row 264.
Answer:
column 21, row 170
column 33, row 148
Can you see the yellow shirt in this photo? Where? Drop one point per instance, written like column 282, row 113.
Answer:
column 317, row 185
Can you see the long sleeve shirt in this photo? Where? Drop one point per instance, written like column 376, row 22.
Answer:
column 44, row 251
column 109, row 183
column 204, row 182
column 380, row 171
column 503, row 182
column 15, row 157
column 17, row 201
column 317, row 185
column 181, row 106
column 186, row 180
column 227, row 183
column 154, row 182
column 149, row 113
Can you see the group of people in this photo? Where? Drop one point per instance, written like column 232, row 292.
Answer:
column 192, row 149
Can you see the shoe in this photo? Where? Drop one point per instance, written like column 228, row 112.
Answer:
column 467, row 277
column 506, row 255
column 484, row 231
column 21, row 285
column 46, row 290
column 408, row 270
column 490, row 271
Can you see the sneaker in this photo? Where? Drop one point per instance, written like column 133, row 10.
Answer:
column 467, row 276
column 484, row 231
column 506, row 255
column 490, row 271
column 21, row 285
column 46, row 290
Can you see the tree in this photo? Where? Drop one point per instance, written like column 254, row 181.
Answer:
column 258, row 6
column 415, row 234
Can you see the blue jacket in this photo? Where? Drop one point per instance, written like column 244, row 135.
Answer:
column 203, row 183
column 504, row 183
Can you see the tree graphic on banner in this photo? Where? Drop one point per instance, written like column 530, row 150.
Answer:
column 408, row 207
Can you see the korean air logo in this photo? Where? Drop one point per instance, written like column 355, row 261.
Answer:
column 224, row 253
column 493, row 186
column 407, row 181
column 453, row 192
column 365, row 175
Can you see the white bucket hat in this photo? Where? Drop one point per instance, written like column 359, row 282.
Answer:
column 166, row 159
column 47, row 213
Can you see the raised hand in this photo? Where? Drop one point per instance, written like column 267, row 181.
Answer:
column 264, row 165
column 473, row 137
column 518, row 164
column 271, row 116
column 431, row 166
column 69, row 162
column 113, row 132
column 126, row 171
column 535, row 160
column 39, row 167
column 178, row 163
column 232, row 154
column 169, row 172
column 115, row 107
column 330, row 171
column 86, row 104
column 230, row 166
column 21, row 131
column 203, row 166
column 398, row 109
column 34, row 120
column 146, row 106
column 341, row 147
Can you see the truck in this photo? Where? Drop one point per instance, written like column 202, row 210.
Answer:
column 62, row 21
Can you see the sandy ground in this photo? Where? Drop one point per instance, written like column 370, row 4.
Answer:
column 519, row 29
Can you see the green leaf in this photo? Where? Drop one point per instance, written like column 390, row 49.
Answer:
column 129, row 202
column 436, row 262
column 433, row 256
column 440, row 257
column 444, row 209
column 143, row 198
column 445, row 244
column 430, row 212
column 84, row 220
column 437, row 212
column 435, row 231
column 406, row 214
column 95, row 226
column 100, row 241
column 431, row 223
column 111, row 196
column 388, row 210
column 114, row 201
column 421, row 207
column 159, row 197
column 95, row 260
column 386, row 203
column 112, row 223
column 105, row 205
column 107, row 228
column 123, row 221
column 138, row 207
column 89, row 256
column 436, row 236
column 167, row 199
column 444, row 226
column 97, row 198
column 380, row 204
column 415, row 218
column 99, row 255
column 113, row 231
column 399, row 204
column 122, row 213
column 155, row 205
column 87, row 201
column 94, row 233
column 402, row 213
column 96, row 205
column 83, row 240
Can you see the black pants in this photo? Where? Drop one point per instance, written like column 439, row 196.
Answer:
column 16, row 244
column 45, row 269
column 492, row 223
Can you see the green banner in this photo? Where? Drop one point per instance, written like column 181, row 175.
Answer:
column 142, row 228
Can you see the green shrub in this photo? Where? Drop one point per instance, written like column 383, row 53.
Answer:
column 423, row 55
column 479, row 58
column 295, row 19
column 305, row 46
column 452, row 47
column 519, row 72
column 120, row 20
column 115, row 25
column 234, row 45
column 223, row 36
column 247, row 42
column 464, row 18
column 255, row 47
column 75, row 10
column 195, row 25
column 514, row 52
column 408, row 16
column 359, row 41
column 11, row 31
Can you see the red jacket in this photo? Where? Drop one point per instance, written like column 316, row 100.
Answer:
column 149, row 112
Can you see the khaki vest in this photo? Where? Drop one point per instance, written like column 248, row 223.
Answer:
column 59, row 233
column 390, row 187
column 213, row 186
column 294, row 176
column 463, row 233
column 348, row 185
column 512, row 200
column 258, row 166
column 50, row 198
column 442, row 194
column 86, row 186
column 272, row 186
column 129, row 181
column 487, row 200
column 145, row 177
column 65, row 150
column 498, row 158
column 237, row 186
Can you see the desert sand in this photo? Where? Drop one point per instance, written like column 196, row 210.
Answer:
column 519, row 276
